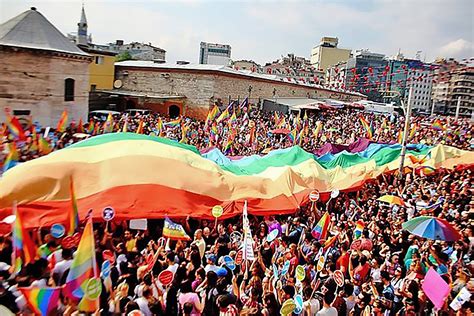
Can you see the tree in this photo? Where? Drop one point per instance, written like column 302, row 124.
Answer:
column 123, row 56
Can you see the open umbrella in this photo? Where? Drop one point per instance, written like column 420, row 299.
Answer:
column 391, row 199
column 432, row 228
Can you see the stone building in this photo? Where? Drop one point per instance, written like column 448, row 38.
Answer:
column 42, row 72
column 197, row 87
column 295, row 69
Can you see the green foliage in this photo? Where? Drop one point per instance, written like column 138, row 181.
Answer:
column 123, row 56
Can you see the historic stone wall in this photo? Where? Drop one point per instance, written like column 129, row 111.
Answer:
column 34, row 80
column 203, row 88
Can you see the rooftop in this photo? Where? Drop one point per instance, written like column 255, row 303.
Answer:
column 32, row 30
column 222, row 69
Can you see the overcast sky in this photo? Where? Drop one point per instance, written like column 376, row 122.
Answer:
column 265, row 30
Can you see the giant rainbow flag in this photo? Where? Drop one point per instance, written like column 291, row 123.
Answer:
column 144, row 176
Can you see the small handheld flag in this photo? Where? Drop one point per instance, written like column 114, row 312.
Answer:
column 321, row 229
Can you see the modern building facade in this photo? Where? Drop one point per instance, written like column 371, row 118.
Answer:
column 327, row 54
column 453, row 82
column 43, row 72
column 214, row 54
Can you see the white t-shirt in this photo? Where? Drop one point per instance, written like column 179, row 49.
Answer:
column 61, row 267
column 327, row 311
column 311, row 305
column 143, row 305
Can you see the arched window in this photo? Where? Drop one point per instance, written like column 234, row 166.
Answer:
column 69, row 89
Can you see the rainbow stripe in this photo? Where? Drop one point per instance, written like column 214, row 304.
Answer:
column 320, row 231
column 425, row 170
column 317, row 131
column 438, row 125
column 292, row 136
column 62, row 123
column 24, row 250
column 83, row 266
column 159, row 126
column 212, row 114
column 15, row 128
column 41, row 301
column 74, row 213
column 368, row 127
column 185, row 179
column 43, row 146
column 140, row 127
column 175, row 231
column 109, row 124
column 12, row 158
column 90, row 128
column 173, row 123
column 233, row 118
column 359, row 229
column 224, row 115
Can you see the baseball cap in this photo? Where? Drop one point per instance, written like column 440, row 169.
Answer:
column 221, row 272
column 211, row 257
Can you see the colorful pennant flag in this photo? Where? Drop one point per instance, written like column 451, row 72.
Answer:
column 438, row 125
column 24, row 250
column 12, row 158
column 62, row 123
column 15, row 128
column 41, row 301
column 321, row 229
column 211, row 115
column 224, row 115
column 174, row 231
column 83, row 266
column 359, row 229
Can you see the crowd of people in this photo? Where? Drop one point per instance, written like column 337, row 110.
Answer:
column 383, row 266
column 258, row 132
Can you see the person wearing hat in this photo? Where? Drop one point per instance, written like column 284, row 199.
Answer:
column 211, row 263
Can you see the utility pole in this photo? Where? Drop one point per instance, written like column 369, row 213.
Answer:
column 457, row 108
column 405, row 133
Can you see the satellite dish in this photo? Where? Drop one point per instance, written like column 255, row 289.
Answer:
column 118, row 84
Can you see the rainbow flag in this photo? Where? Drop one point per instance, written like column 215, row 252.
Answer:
column 282, row 123
column 224, row 115
column 292, row 136
column 276, row 118
column 140, row 127
column 300, row 137
column 432, row 207
column 73, row 213
column 228, row 146
column 24, row 250
column 400, row 137
column 83, row 266
column 184, row 132
column 413, row 131
column 159, row 126
column 43, row 146
column 41, row 301
column 212, row 114
column 214, row 132
column 125, row 126
column 305, row 117
column 12, row 158
column 425, row 170
column 175, row 231
column 62, row 124
column 359, row 229
column 330, row 242
column 321, row 229
column 109, row 124
column 368, row 127
column 80, row 126
column 90, row 128
column 15, row 128
column 438, row 125
column 173, row 123
column 317, row 131
column 233, row 118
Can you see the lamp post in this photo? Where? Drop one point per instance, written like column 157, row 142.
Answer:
column 405, row 133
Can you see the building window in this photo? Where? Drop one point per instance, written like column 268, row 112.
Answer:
column 21, row 112
column 93, row 87
column 99, row 60
column 69, row 89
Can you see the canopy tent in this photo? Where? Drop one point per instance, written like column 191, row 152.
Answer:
column 144, row 176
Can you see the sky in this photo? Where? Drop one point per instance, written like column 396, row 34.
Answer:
column 263, row 30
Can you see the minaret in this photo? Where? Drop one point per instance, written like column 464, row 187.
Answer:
column 82, row 38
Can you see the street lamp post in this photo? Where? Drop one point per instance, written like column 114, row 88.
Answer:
column 405, row 133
